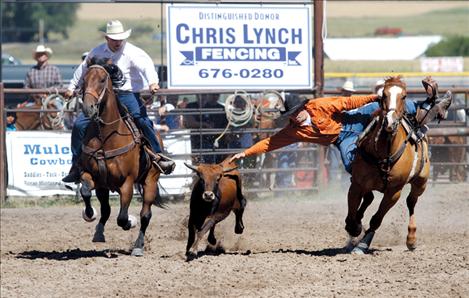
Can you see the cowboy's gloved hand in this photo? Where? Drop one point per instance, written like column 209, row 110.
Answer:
column 300, row 117
column 68, row 94
column 154, row 88
column 237, row 156
column 431, row 87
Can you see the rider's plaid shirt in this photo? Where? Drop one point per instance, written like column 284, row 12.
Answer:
column 43, row 77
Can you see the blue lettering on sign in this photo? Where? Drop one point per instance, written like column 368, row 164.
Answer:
column 50, row 162
column 239, row 54
column 272, row 35
column 37, row 149
column 186, row 34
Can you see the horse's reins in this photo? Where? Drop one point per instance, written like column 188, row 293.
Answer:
column 386, row 164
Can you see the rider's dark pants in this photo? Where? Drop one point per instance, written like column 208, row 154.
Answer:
column 138, row 111
column 353, row 123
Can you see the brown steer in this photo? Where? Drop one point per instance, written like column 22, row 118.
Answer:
column 217, row 192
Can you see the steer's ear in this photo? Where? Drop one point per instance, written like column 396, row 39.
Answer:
column 193, row 168
column 226, row 170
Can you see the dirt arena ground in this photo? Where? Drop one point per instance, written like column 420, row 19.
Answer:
column 292, row 247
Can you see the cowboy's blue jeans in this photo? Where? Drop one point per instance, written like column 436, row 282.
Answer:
column 138, row 111
column 353, row 123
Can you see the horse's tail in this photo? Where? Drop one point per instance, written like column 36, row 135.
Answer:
column 158, row 202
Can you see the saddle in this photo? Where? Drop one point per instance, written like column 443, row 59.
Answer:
column 137, row 140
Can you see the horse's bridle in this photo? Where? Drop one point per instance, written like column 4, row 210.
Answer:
column 99, row 97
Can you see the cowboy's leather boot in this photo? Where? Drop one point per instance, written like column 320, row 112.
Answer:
column 165, row 164
column 73, row 176
column 431, row 87
column 438, row 111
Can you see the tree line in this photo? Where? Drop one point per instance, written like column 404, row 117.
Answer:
column 20, row 21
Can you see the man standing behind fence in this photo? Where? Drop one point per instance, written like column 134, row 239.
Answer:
column 42, row 75
column 139, row 73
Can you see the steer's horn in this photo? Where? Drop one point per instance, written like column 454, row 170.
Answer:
column 229, row 169
column 193, row 168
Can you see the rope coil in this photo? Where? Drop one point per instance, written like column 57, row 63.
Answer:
column 238, row 113
column 56, row 121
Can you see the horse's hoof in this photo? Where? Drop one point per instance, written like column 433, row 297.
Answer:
column 137, row 252
column 239, row 229
column 190, row 256
column 351, row 243
column 133, row 221
column 88, row 218
column 412, row 246
column 357, row 251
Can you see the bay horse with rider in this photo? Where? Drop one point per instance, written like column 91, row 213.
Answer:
column 114, row 155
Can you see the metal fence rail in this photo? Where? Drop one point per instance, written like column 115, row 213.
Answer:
column 313, row 160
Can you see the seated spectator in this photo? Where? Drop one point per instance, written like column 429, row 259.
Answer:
column 11, row 119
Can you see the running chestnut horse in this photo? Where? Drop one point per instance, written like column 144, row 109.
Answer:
column 389, row 156
column 114, row 155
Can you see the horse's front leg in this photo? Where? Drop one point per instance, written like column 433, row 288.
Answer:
column 87, row 185
column 150, row 191
column 103, row 197
column 123, row 219
column 391, row 196
column 352, row 223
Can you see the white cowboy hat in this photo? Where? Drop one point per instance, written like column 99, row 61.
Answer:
column 348, row 86
column 42, row 49
column 115, row 31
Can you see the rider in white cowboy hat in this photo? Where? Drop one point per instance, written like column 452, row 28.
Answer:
column 139, row 73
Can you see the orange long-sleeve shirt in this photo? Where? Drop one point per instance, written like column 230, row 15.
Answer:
column 325, row 125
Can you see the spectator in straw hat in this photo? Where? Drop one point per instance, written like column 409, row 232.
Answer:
column 42, row 75
column 347, row 89
column 139, row 73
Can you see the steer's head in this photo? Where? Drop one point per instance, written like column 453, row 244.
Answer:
column 209, row 176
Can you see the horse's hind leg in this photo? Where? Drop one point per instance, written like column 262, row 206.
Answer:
column 390, row 198
column 416, row 191
column 150, row 192
column 103, row 197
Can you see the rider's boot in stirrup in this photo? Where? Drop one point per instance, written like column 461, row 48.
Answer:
column 165, row 164
column 73, row 176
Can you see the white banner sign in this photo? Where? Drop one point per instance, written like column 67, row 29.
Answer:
column 239, row 46
column 37, row 162
column 442, row 64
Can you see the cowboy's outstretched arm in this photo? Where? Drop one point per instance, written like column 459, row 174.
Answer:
column 353, row 102
column 283, row 138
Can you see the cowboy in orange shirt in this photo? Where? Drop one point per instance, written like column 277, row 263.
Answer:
column 324, row 121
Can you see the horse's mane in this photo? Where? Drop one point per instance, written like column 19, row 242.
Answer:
column 115, row 74
column 395, row 80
